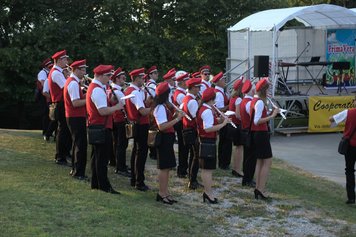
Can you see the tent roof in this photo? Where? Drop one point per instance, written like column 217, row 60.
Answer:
column 317, row 16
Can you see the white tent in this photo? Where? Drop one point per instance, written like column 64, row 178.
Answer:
column 322, row 16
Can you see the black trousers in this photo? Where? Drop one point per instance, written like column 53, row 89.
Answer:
column 99, row 164
column 350, row 159
column 63, row 140
column 224, row 148
column 182, row 150
column 111, row 152
column 153, row 152
column 249, row 165
column 44, row 113
column 52, row 125
column 193, row 162
column 78, row 130
column 139, row 155
column 191, row 152
column 120, row 145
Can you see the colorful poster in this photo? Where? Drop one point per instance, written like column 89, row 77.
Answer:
column 322, row 107
column 340, row 47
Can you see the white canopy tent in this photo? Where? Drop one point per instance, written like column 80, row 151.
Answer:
column 324, row 16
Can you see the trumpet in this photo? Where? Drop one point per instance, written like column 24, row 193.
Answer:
column 181, row 111
column 224, row 116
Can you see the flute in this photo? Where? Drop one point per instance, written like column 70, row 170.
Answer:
column 281, row 111
column 181, row 111
column 224, row 116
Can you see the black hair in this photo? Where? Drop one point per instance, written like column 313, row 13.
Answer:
column 162, row 98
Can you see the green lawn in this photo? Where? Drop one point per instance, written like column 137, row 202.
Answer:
column 39, row 198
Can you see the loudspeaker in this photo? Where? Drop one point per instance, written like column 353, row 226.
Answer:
column 261, row 67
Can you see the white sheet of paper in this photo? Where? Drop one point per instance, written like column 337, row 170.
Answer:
column 127, row 97
column 229, row 112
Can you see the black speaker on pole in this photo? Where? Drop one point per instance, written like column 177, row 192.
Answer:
column 261, row 67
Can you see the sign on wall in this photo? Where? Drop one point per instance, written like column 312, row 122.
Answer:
column 340, row 47
column 322, row 107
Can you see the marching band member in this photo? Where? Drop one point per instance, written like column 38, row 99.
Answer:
column 119, row 118
column 75, row 112
column 249, row 161
column 52, row 126
column 195, row 75
column 222, row 103
column 40, row 97
column 207, row 128
column 169, row 77
column 190, row 107
column 138, row 112
column 234, row 105
column 152, row 75
column 178, row 97
column 205, row 76
column 56, row 81
column 165, row 152
column 350, row 157
column 260, row 137
column 100, row 113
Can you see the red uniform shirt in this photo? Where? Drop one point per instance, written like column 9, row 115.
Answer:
column 175, row 95
column 169, row 118
column 232, row 107
column 56, row 91
column 350, row 126
column 187, row 123
column 202, row 133
column 94, row 118
column 132, row 113
column 245, row 117
column 70, row 110
column 260, row 127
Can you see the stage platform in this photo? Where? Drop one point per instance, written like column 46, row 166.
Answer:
column 312, row 89
column 297, row 104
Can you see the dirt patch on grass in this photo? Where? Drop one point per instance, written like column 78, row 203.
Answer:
column 239, row 214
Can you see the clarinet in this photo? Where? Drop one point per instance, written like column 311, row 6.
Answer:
column 224, row 116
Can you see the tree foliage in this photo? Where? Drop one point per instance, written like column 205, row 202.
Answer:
column 129, row 33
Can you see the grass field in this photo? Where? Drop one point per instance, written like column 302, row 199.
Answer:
column 39, row 198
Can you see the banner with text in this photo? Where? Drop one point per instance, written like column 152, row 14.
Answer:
column 322, row 107
column 340, row 47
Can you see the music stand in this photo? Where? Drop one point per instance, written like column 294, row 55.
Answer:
column 341, row 66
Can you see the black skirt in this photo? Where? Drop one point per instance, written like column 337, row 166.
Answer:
column 207, row 163
column 237, row 136
column 165, row 152
column 261, row 145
